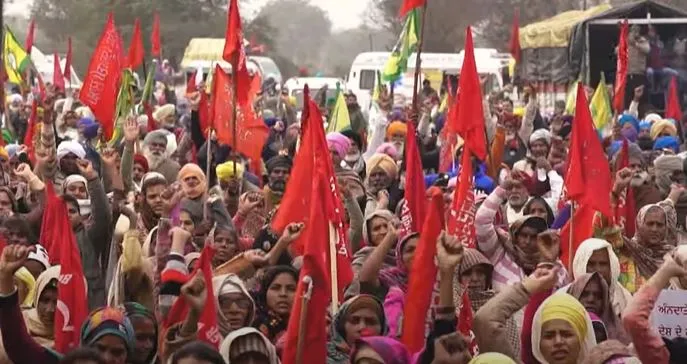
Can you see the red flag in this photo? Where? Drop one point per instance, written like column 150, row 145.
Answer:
column 465, row 319
column 47, row 233
column 72, row 303
column 582, row 222
column 28, row 137
column 621, row 70
column 57, row 76
column 204, row 113
column 409, row 5
column 515, row 37
column 588, row 178
column 625, row 213
column 461, row 221
column 235, row 53
column 3, row 244
column 136, row 50
column 156, row 48
column 68, row 61
column 101, row 85
column 423, row 271
column 191, row 86
column 673, row 105
column 42, row 91
column 413, row 212
column 28, row 44
column 255, row 86
column 467, row 118
column 208, row 330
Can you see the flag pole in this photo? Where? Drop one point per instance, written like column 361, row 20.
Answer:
column 570, row 238
column 234, row 113
column 208, row 160
column 418, row 62
column 307, row 280
column 333, row 269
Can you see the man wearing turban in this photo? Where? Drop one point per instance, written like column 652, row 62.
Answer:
column 278, row 172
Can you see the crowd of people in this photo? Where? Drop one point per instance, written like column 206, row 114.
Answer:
column 141, row 212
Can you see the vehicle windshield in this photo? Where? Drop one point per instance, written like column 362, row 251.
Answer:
column 298, row 94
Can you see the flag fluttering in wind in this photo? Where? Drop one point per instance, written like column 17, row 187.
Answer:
column 28, row 44
column 397, row 64
column 68, row 61
column 625, row 212
column 413, row 210
column 136, row 50
column 515, row 50
column 235, row 53
column 673, row 104
column 600, row 106
column 156, row 47
column 15, row 58
column 410, row 5
column 57, row 76
column 621, row 69
column 101, row 85
column 571, row 98
column 340, row 119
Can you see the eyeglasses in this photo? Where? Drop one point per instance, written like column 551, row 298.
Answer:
column 239, row 299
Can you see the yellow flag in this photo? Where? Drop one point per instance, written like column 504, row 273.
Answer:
column 339, row 119
column 600, row 105
column 571, row 99
column 15, row 58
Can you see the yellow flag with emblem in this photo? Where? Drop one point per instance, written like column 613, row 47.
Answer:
column 15, row 58
column 600, row 106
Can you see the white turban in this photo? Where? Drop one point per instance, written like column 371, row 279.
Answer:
column 164, row 111
column 70, row 146
column 540, row 134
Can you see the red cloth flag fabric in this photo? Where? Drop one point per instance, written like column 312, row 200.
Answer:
column 72, row 303
column 28, row 137
column 582, row 222
column 673, row 104
column 136, row 50
column 413, row 210
column 42, row 90
column 204, row 113
column 47, row 233
column 621, row 70
column 28, row 44
column 156, row 47
column 409, row 5
column 191, row 86
column 235, row 53
column 57, row 76
column 461, row 221
column 255, row 86
column 3, row 244
column 101, row 85
column 465, row 319
column 467, row 116
column 423, row 271
column 68, row 61
column 625, row 212
column 208, row 330
column 515, row 37
column 588, row 178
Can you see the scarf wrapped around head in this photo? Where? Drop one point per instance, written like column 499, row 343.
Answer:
column 227, row 284
column 527, row 260
column 664, row 166
column 562, row 306
column 108, row 321
column 227, row 171
column 388, row 149
column 141, row 160
column 39, row 331
column 667, row 142
column 338, row 349
column 662, row 127
column 134, row 309
column 383, row 161
column 628, row 120
column 24, row 278
column 395, row 128
column 192, row 170
column 70, row 146
column 279, row 161
column 338, row 142
column 649, row 259
column 541, row 134
column 247, row 340
column 610, row 352
column 390, row 350
column 491, row 358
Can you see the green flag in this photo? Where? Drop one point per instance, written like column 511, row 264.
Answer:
column 398, row 61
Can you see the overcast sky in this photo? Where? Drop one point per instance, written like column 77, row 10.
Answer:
column 344, row 14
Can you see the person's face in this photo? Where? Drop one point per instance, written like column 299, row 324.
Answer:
column 592, row 297
column 526, row 238
column 336, row 159
column 144, row 328
column 46, row 305
column 74, row 215
column 112, row 349
column 138, row 172
column 157, row 148
column 351, row 100
column 77, row 190
column 518, row 196
column 538, row 209
column 16, row 236
column 170, row 120
column 68, row 164
column 225, row 245
column 539, row 148
column 154, row 199
column 235, row 308
column 559, row 343
column 5, row 205
column 600, row 263
column 231, row 186
column 34, row 267
column 507, row 106
column 378, row 180
column 408, row 252
column 475, row 278
column 653, row 230
column 397, row 138
column 280, row 294
column 362, row 320
column 354, row 150
column 186, row 222
column 635, row 165
column 379, row 226
column 278, row 178
column 71, row 120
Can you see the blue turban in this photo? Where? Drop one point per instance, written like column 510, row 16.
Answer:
column 644, row 125
column 614, row 148
column 629, row 119
column 667, row 142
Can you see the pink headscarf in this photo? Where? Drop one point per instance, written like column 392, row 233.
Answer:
column 339, row 142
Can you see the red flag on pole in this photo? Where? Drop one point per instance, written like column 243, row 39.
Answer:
column 68, row 61
column 673, row 105
column 515, row 37
column 101, row 85
column 625, row 213
column 191, row 86
column 621, row 70
column 28, row 44
column 467, row 117
column 409, row 5
column 235, row 53
column 156, row 47
column 136, row 50
column 413, row 212
column 423, row 274
column 461, row 221
column 57, row 76
column 28, row 137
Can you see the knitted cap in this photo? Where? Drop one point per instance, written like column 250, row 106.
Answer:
column 251, row 343
column 471, row 258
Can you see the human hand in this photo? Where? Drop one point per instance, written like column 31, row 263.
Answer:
column 449, row 252
column 543, row 163
column 179, row 235
column 382, row 199
column 292, row 232
column 248, row 203
column 131, row 130
column 109, row 157
column 24, row 171
column 622, row 179
column 13, row 257
column 256, row 257
column 543, row 279
column 549, row 246
column 195, row 293
column 86, row 169
column 638, row 92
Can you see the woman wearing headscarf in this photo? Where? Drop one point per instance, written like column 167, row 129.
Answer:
column 145, row 327
column 610, row 352
column 380, row 349
column 360, row 316
column 597, row 255
column 339, row 145
column 491, row 358
column 374, row 231
column 274, row 301
column 354, row 157
column 248, row 345
column 592, row 291
column 109, row 330
column 41, row 318
column 538, row 206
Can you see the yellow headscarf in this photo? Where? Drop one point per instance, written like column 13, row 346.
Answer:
column 491, row 358
column 225, row 171
column 24, row 277
column 662, row 126
column 3, row 153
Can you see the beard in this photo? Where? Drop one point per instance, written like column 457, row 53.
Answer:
column 639, row 179
column 154, row 160
column 277, row 185
column 399, row 148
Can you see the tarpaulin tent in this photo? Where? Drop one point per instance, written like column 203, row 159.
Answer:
column 545, row 46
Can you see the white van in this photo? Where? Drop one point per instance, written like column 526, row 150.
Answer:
column 435, row 67
column 296, row 85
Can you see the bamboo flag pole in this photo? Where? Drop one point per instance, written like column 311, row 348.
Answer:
column 570, row 238
column 302, row 323
column 333, row 269
column 418, row 53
